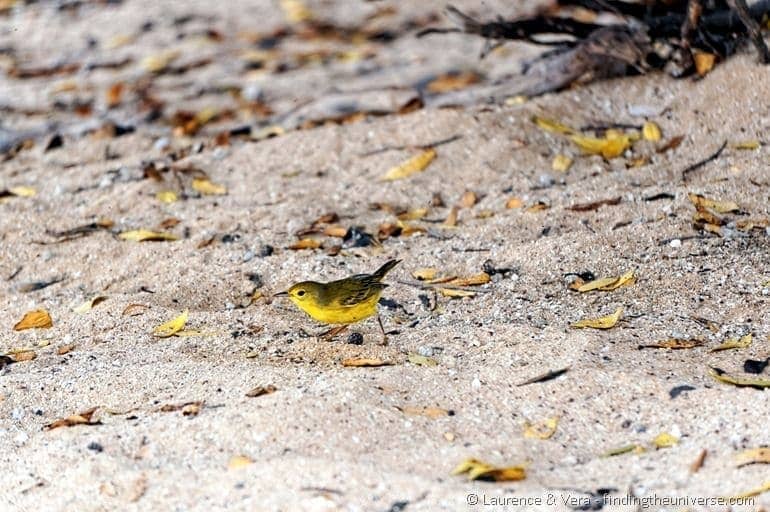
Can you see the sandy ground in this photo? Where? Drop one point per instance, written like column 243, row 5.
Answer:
column 338, row 438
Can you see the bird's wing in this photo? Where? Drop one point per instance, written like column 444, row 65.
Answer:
column 357, row 290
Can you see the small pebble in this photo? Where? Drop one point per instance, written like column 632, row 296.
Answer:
column 248, row 256
column 675, row 243
column 162, row 144
column 545, row 180
column 21, row 438
column 266, row 250
column 426, row 351
column 355, row 338
column 17, row 414
column 229, row 306
column 93, row 445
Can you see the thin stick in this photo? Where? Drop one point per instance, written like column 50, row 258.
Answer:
column 752, row 27
column 698, row 165
column 382, row 329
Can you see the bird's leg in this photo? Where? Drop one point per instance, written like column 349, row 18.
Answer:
column 382, row 330
column 331, row 333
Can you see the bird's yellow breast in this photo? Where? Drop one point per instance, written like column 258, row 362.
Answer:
column 333, row 314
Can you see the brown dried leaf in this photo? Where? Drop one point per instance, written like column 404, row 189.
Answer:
column 675, row 344
column 606, row 284
column 452, row 81
column 451, row 218
column 456, row 294
column 134, row 310
column 23, row 355
column 305, row 243
column 537, row 207
column 541, row 430
column 753, row 456
column 431, row 412
column 84, row 418
column 478, row 279
column 704, row 62
column 718, row 206
column 751, row 382
column 672, row 143
column 145, row 235
column 65, row 349
column 595, row 205
column 207, row 187
column 261, row 390
column 364, row 361
column 514, row 202
column 425, row 274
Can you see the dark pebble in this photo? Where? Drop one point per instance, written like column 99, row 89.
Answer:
column 678, row 390
column 93, row 445
column 355, row 338
column 265, row 251
column 755, row 366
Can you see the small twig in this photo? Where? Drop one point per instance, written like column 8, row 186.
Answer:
column 420, row 146
column 752, row 27
column 703, row 162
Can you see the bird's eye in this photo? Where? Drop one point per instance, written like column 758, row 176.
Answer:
column 300, row 293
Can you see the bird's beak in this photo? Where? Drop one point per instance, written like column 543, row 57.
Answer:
column 281, row 293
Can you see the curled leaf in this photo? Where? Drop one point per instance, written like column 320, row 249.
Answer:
column 171, row 327
column 364, row 361
column 145, row 235
column 84, row 418
column 411, row 166
column 478, row 470
column 606, row 284
column 207, row 187
column 420, row 360
column 743, row 342
column 305, row 243
column 608, row 147
column 749, row 382
column 717, row 206
column 89, row 304
column 541, row 430
column 605, row 322
column 753, row 456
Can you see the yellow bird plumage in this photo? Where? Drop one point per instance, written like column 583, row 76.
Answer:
column 345, row 301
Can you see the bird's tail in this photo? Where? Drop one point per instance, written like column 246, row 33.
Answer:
column 379, row 274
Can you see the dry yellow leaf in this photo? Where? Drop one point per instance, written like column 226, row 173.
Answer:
column 89, row 304
column 754, row 492
column 305, row 243
column 704, row 62
column 239, row 461
column 605, row 322
column 753, row 456
column 607, row 284
column 296, row 11
column 38, row 319
column 364, row 361
column 552, row 126
column 541, row 430
column 675, row 344
column 23, row 355
column 84, row 418
column 747, row 144
column 456, row 294
column 22, row 191
column 561, row 163
column 478, row 279
column 159, row 62
column 478, row 470
column 469, row 199
column 421, row 360
column 718, row 206
column 415, row 214
column 665, row 440
column 608, row 147
column 537, row 207
column 145, row 235
column 167, row 196
column 635, row 448
column 411, row 166
column 207, row 187
column 431, row 412
column 171, row 327
column 749, row 382
column 651, row 132
column 425, row 274
column 514, row 202
column 743, row 342
column 451, row 218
